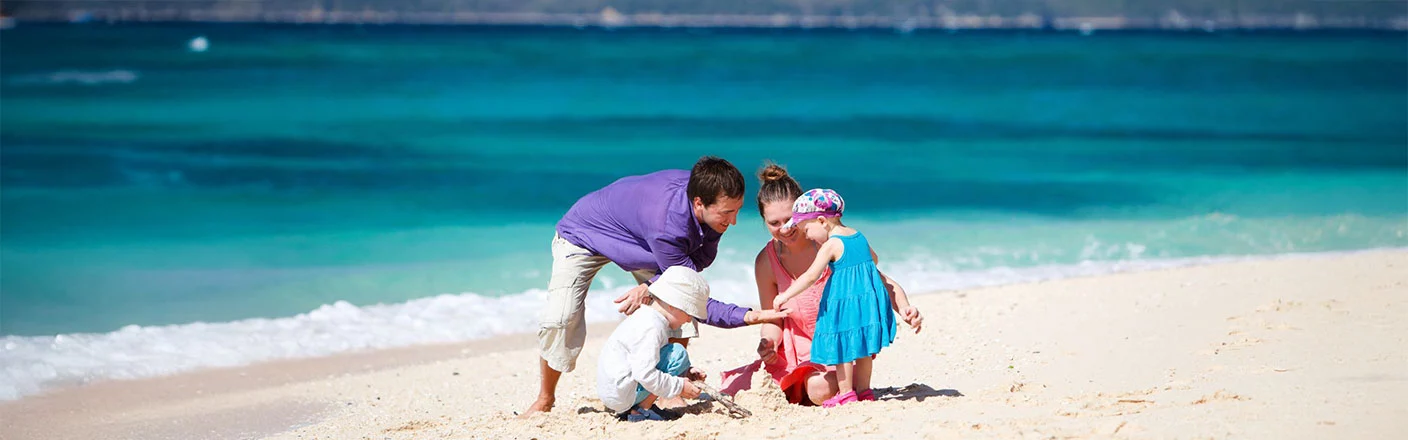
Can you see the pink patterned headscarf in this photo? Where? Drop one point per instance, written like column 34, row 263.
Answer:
column 816, row 203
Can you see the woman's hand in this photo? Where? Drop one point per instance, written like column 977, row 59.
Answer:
column 695, row 373
column 911, row 316
column 767, row 350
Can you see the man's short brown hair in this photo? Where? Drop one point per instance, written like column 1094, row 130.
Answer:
column 712, row 177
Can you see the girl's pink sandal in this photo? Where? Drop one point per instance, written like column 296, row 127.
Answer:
column 840, row 399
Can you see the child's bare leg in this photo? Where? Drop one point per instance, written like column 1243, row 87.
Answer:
column 649, row 400
column 677, row 401
column 844, row 377
column 674, row 361
column 862, row 373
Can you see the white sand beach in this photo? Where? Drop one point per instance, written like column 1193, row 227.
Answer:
column 1298, row 347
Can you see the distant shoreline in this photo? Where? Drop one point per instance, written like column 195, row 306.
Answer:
column 611, row 19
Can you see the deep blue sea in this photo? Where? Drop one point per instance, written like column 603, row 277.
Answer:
column 304, row 190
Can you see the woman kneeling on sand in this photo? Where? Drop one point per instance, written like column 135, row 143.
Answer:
column 784, row 350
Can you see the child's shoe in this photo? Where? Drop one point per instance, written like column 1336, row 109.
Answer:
column 665, row 413
column 840, row 399
column 641, row 415
column 867, row 395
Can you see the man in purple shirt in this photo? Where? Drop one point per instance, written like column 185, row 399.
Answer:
column 644, row 224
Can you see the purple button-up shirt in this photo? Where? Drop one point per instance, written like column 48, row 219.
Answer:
column 647, row 222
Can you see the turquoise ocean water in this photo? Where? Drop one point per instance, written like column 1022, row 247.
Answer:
column 298, row 191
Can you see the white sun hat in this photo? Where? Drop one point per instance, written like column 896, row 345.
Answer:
column 684, row 289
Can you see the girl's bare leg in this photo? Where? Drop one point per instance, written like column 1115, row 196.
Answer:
column 845, row 379
column 862, row 373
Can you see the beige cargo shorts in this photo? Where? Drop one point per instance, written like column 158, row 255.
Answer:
column 562, row 329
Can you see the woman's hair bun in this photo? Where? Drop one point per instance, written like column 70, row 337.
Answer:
column 772, row 172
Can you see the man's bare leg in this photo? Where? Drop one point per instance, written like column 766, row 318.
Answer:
column 547, row 391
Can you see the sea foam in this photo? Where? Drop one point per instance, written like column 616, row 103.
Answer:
column 82, row 77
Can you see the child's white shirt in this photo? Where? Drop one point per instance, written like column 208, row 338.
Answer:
column 629, row 359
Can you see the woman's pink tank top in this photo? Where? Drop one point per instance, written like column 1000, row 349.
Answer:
column 798, row 326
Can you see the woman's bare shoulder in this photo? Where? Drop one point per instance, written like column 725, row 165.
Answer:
column 762, row 257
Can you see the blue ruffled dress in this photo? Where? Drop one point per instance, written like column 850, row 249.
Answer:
column 854, row 319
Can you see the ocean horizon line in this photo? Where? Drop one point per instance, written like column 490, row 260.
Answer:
column 610, row 19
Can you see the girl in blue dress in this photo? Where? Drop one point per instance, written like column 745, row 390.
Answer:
column 854, row 320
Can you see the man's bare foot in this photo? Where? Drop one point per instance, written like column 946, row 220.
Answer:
column 547, row 391
column 540, row 405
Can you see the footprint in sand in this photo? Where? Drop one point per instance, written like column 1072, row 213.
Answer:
column 1241, row 328
column 1022, row 392
column 1110, row 404
column 414, row 425
column 1018, row 387
column 1220, row 396
column 1280, row 306
column 1238, row 343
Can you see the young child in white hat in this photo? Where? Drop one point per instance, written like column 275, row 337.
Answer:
column 637, row 365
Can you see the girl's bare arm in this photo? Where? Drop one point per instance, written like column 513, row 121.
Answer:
column 826, row 254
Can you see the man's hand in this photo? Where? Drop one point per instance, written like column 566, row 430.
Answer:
column 911, row 316
column 754, row 317
column 633, row 299
column 767, row 350
column 690, row 391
